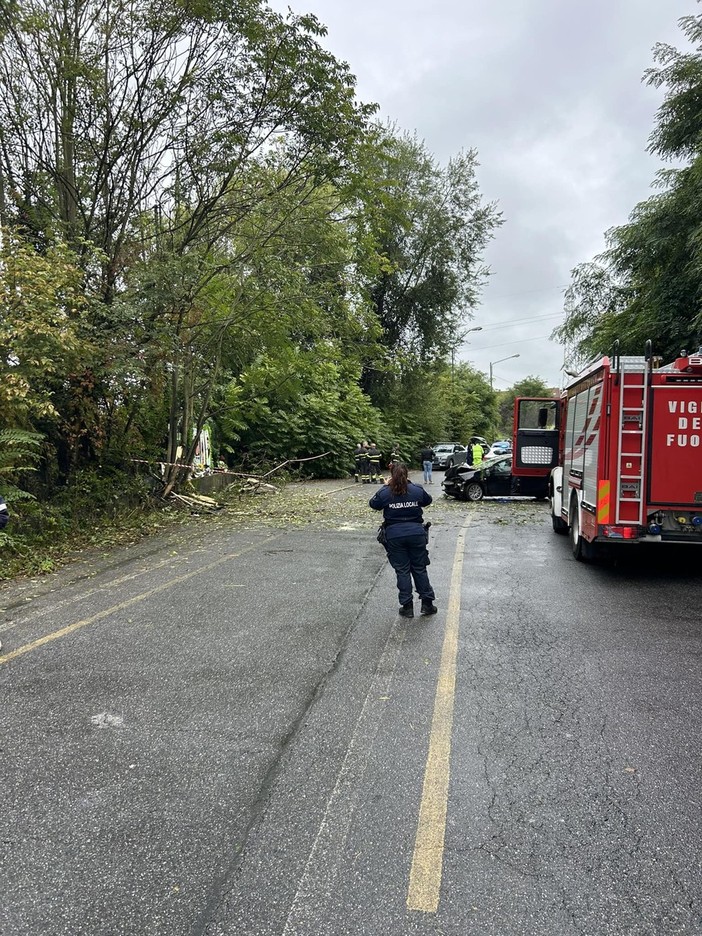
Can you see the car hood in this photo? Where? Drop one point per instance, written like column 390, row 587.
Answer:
column 461, row 471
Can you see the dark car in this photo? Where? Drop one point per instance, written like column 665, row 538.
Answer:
column 447, row 454
column 493, row 478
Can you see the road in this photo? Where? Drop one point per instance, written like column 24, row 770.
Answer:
column 231, row 731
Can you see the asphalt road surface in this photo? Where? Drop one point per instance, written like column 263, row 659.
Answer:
column 231, row 731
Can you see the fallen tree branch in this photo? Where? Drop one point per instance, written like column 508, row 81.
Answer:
column 294, row 461
column 196, row 501
column 253, row 483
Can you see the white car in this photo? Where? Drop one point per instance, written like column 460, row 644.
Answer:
column 499, row 448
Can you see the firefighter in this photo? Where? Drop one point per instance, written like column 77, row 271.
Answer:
column 374, row 456
column 395, row 456
column 358, row 457
column 365, row 465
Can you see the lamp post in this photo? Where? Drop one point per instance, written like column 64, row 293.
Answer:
column 459, row 340
column 499, row 362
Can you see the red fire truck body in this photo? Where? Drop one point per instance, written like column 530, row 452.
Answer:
column 629, row 454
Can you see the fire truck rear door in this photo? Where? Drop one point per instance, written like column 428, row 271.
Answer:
column 675, row 451
column 535, row 442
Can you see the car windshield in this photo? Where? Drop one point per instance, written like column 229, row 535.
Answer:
column 494, row 458
column 443, row 448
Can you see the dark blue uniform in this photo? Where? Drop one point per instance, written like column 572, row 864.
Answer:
column 406, row 538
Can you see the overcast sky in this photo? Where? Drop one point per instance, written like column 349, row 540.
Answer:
column 549, row 93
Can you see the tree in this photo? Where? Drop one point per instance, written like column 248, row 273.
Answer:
column 159, row 134
column 41, row 339
column 430, row 227
column 530, row 386
column 648, row 283
column 468, row 401
column 309, row 408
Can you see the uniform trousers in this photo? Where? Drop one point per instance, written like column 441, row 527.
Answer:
column 409, row 558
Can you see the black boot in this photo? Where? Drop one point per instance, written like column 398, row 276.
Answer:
column 406, row 610
column 428, row 607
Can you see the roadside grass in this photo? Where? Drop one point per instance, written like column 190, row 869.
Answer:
column 44, row 537
column 50, row 539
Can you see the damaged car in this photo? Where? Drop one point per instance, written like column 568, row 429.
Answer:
column 492, row 478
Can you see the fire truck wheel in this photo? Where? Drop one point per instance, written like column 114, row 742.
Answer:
column 582, row 550
column 473, row 491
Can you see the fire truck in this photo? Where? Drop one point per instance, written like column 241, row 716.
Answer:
column 623, row 451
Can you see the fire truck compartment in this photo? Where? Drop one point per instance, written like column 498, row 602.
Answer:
column 675, row 452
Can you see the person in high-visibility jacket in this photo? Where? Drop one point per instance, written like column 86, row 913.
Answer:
column 476, row 454
column 374, row 456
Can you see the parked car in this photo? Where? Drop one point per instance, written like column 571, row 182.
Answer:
column 447, row 454
column 493, row 478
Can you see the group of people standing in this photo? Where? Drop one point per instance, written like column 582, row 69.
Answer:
column 368, row 463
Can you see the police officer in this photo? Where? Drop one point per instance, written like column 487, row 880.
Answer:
column 406, row 538
column 374, row 456
column 476, row 453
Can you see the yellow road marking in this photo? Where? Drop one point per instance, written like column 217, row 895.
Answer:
column 51, row 609
column 77, row 625
column 427, row 861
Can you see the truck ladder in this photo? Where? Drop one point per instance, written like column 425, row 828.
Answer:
column 631, row 448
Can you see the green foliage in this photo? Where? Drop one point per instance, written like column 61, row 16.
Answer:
column 310, row 408
column 19, row 453
column 530, row 386
column 97, row 510
column 439, row 403
column 42, row 298
column 430, row 228
column 678, row 130
column 247, row 250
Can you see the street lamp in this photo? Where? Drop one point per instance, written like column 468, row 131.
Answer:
column 458, row 340
column 499, row 362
